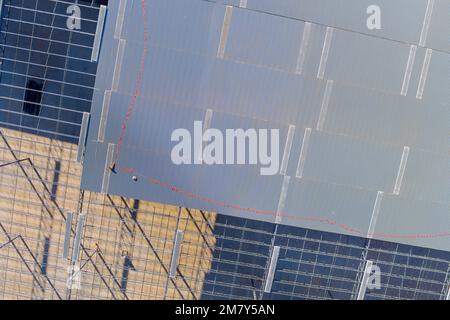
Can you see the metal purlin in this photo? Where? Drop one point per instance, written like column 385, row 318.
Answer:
column 59, row 210
column 12, row 241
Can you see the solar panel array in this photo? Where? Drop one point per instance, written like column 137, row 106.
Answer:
column 317, row 265
column 129, row 244
column 44, row 61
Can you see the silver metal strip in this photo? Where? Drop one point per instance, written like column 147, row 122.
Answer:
column 401, row 171
column 408, row 71
column 118, row 65
column 272, row 268
column 83, row 137
column 325, row 103
column 107, row 170
column 67, row 234
column 208, row 119
column 243, row 4
column 426, row 23
column 78, row 237
column 225, row 31
column 99, row 33
column 282, row 199
column 104, row 116
column 424, row 73
column 120, row 19
column 287, row 150
column 448, row 293
column 176, row 254
column 303, row 48
column 206, row 125
column 363, row 286
column 375, row 214
column 325, row 53
column 303, row 153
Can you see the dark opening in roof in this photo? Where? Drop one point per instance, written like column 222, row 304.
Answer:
column 33, row 96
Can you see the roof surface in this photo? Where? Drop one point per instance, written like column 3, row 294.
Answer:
column 368, row 111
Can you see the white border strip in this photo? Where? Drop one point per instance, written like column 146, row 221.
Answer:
column 375, row 213
column 175, row 254
column 67, row 234
column 83, row 136
column 1, row 7
column 325, row 103
column 303, row 48
column 287, row 150
column 107, row 170
column 225, row 31
column 78, row 236
column 272, row 267
column 424, row 73
column 325, row 52
column 426, row 23
column 206, row 125
column 118, row 65
column 98, row 33
column 408, row 71
column 401, row 171
column 208, row 119
column 120, row 19
column 364, row 280
column 282, row 200
column 104, row 116
column 303, row 153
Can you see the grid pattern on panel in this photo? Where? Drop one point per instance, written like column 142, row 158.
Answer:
column 410, row 272
column 240, row 259
column 47, row 76
column 317, row 265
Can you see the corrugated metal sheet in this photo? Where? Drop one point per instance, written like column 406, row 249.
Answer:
column 364, row 96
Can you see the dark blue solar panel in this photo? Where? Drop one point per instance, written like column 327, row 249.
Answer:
column 317, row 265
column 37, row 48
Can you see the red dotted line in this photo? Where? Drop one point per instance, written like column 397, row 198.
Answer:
column 317, row 219
column 138, row 82
column 189, row 194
